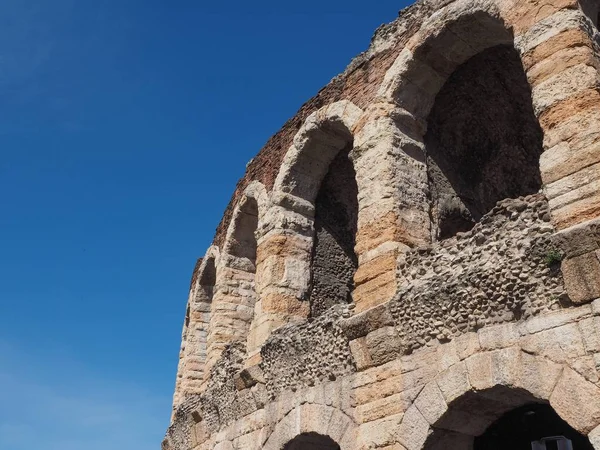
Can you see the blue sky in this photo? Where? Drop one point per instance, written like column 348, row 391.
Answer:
column 124, row 126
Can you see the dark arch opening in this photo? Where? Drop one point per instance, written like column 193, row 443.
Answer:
column 334, row 262
column 517, row 429
column 311, row 441
column 591, row 8
column 243, row 244
column 483, row 140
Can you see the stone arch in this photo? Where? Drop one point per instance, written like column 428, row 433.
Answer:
column 318, row 180
column 314, row 419
column 463, row 401
column 192, row 356
column 311, row 441
column 322, row 136
column 236, row 296
column 462, row 80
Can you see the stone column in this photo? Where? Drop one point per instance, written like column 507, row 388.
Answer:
column 232, row 307
column 560, row 52
column 393, row 210
column 283, row 271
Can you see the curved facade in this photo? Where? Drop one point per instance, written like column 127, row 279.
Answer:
column 413, row 261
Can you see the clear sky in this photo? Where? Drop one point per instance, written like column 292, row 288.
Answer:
column 124, row 126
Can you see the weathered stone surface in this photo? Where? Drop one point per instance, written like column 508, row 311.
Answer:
column 416, row 252
column 582, row 277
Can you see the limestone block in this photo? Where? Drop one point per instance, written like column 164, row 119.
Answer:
column 560, row 344
column 284, row 304
column 467, row 344
column 379, row 433
column 594, row 437
column 579, row 211
column 522, row 15
column 360, row 353
column 538, row 376
column 413, row 430
column 565, row 19
column 388, row 406
column 563, row 85
column 454, row 382
column 498, row 336
column 577, row 401
column 582, row 277
column 578, row 240
column 558, row 62
column 447, row 355
column 556, row 319
column 375, row 292
column 384, row 345
column 506, row 366
column 590, row 331
column 249, row 377
column 364, row 323
column 375, row 268
column 582, row 184
column 480, row 371
column 431, row 403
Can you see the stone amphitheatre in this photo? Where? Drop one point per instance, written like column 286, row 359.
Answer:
column 413, row 261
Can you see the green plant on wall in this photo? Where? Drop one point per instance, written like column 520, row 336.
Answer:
column 553, row 258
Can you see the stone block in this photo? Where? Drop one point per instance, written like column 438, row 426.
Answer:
column 467, row 344
column 480, row 370
column 431, row 403
column 379, row 433
column 563, row 85
column 582, row 277
column 556, row 319
column 384, row 345
column 578, row 240
column 577, row 401
column 590, row 331
column 284, row 304
column 560, row 344
column 498, row 336
column 375, row 268
column 454, row 382
column 413, row 430
column 360, row 353
column 366, row 322
column 538, row 376
column 388, row 406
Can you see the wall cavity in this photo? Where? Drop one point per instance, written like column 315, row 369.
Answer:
column 483, row 140
column 333, row 259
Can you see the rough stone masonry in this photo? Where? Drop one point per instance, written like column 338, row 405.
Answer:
column 413, row 260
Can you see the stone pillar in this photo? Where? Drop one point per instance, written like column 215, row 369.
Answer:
column 283, row 272
column 232, row 307
column 560, row 52
column 192, row 356
column 560, row 56
column 393, row 210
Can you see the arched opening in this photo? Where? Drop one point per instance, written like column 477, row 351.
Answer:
column 243, row 240
column 591, row 8
column 334, row 262
column 523, row 428
column 200, row 317
column 311, row 441
column 241, row 264
column 503, row 418
column 483, row 141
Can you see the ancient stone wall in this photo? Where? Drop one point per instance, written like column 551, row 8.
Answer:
column 416, row 254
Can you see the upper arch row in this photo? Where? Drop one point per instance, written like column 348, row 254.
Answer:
column 264, row 270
